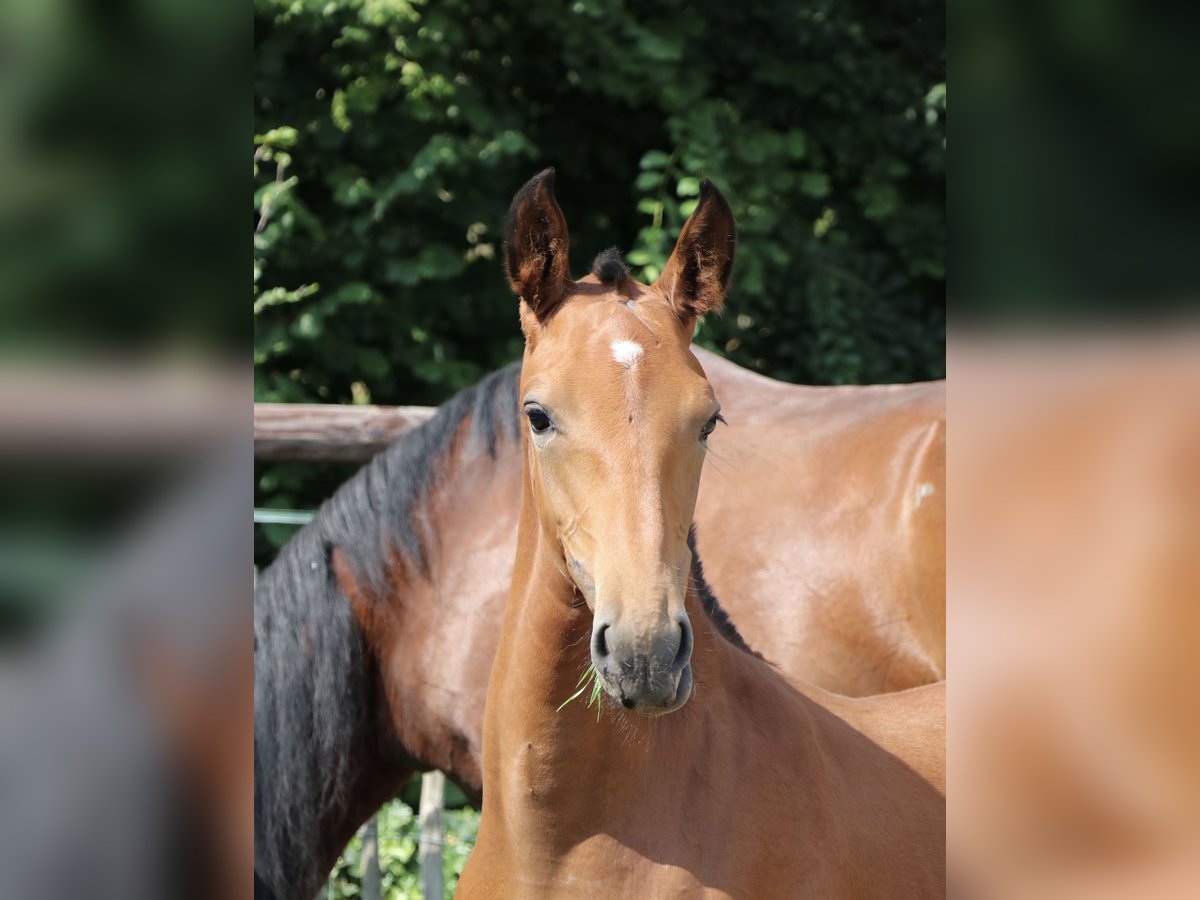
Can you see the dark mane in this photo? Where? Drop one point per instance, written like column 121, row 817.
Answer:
column 708, row 600
column 609, row 267
column 313, row 686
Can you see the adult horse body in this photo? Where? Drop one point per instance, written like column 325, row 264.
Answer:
column 823, row 520
column 823, row 512
column 731, row 782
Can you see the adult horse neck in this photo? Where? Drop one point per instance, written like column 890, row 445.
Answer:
column 730, row 781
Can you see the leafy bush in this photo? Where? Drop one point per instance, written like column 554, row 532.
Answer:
column 400, row 875
column 391, row 135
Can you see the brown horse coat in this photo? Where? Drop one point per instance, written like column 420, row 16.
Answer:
column 822, row 520
column 753, row 789
column 732, row 782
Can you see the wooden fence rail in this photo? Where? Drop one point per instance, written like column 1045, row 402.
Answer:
column 316, row 432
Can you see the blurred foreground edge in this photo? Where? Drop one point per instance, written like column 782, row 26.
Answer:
column 1074, row 616
column 126, row 747
column 120, row 414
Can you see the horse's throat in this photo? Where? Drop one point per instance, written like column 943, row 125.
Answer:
column 544, row 649
column 543, row 715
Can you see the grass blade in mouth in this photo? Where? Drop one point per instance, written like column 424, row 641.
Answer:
column 588, row 681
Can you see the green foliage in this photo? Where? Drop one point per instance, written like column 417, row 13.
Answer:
column 391, row 136
column 399, row 832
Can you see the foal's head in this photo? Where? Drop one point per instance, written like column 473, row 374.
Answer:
column 618, row 416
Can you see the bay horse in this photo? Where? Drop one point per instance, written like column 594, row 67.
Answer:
column 377, row 624
column 707, row 772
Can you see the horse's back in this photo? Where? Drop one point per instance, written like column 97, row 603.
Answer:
column 833, row 498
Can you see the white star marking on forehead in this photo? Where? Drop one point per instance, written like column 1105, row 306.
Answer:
column 626, row 353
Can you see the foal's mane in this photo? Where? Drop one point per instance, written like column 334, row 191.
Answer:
column 709, row 603
column 314, row 686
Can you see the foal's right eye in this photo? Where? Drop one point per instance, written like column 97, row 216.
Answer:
column 539, row 421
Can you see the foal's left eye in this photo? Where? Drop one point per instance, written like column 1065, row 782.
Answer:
column 538, row 420
column 710, row 425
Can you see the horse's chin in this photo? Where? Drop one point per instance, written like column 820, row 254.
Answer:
column 683, row 693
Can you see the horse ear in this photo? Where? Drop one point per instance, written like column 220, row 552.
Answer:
column 536, row 246
column 696, row 276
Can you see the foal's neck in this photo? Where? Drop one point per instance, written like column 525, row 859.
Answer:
column 544, row 645
column 549, row 756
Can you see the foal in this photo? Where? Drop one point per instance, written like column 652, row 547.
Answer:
column 718, row 776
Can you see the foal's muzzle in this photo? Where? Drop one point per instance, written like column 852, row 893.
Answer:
column 648, row 673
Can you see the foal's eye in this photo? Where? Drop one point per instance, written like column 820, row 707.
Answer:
column 539, row 421
column 710, row 425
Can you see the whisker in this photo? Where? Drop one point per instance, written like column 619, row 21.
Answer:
column 721, row 462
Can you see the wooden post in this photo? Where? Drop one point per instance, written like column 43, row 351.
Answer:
column 433, row 835
column 372, row 882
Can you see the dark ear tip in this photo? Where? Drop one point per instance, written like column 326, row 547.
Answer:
column 709, row 192
column 543, row 180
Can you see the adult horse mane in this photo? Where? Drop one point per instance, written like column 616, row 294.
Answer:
column 317, row 736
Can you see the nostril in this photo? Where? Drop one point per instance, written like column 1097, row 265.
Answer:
column 685, row 646
column 600, row 644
